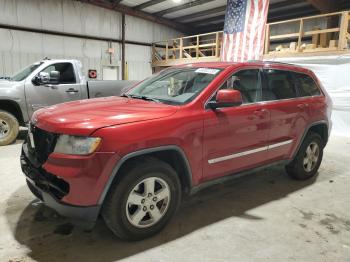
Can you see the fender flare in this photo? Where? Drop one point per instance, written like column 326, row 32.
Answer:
column 18, row 114
column 145, row 152
column 323, row 122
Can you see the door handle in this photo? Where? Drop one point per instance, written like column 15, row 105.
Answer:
column 72, row 91
column 303, row 105
column 261, row 113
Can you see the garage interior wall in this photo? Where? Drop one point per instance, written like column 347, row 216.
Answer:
column 20, row 48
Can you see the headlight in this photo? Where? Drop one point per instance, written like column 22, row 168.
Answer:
column 76, row 145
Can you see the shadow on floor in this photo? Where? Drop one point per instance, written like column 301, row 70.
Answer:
column 50, row 238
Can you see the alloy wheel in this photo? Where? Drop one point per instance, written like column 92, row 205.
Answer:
column 311, row 156
column 148, row 202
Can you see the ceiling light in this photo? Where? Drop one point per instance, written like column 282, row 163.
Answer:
column 177, row 1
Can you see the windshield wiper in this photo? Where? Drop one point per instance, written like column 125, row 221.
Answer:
column 143, row 98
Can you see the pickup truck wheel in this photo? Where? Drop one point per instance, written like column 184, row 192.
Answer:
column 9, row 128
column 143, row 201
column 308, row 159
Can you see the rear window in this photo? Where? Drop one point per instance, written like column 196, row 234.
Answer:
column 279, row 85
column 306, row 85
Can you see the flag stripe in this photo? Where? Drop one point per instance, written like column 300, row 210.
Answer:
column 244, row 32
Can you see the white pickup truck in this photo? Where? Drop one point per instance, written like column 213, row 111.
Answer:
column 46, row 83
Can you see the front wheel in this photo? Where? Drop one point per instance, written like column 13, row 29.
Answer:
column 308, row 159
column 9, row 128
column 143, row 201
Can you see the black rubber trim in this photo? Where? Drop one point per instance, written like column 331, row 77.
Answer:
column 323, row 122
column 236, row 175
column 82, row 216
column 140, row 153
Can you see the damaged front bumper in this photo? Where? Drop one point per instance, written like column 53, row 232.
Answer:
column 51, row 189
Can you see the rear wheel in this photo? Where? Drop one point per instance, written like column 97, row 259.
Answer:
column 308, row 159
column 9, row 128
column 143, row 201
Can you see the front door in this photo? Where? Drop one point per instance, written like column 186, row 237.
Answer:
column 235, row 137
column 68, row 89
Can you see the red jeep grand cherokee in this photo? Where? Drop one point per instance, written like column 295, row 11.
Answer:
column 132, row 158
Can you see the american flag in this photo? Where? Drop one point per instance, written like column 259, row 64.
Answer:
column 244, row 30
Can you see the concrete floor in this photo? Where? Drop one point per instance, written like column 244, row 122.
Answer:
column 260, row 217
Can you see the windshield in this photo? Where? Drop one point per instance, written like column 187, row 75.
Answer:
column 175, row 85
column 25, row 72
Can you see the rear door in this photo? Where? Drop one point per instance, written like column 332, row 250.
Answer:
column 68, row 89
column 235, row 137
column 289, row 112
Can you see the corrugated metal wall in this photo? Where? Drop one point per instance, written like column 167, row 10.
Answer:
column 20, row 48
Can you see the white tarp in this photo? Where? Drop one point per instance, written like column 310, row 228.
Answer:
column 334, row 73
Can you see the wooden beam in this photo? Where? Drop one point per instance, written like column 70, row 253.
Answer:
column 148, row 4
column 137, row 13
column 325, row 6
column 344, row 25
column 182, row 7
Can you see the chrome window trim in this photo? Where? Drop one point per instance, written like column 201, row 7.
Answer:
column 272, row 66
column 249, row 152
column 266, row 101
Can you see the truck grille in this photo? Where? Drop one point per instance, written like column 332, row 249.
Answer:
column 44, row 143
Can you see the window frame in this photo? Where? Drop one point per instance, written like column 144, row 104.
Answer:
column 74, row 71
column 298, row 89
column 260, row 71
column 265, row 83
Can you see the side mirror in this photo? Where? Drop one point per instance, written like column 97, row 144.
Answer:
column 226, row 98
column 44, row 78
column 54, row 77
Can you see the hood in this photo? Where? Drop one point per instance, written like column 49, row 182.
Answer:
column 85, row 116
column 7, row 84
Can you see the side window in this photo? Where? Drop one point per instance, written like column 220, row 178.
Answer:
column 279, row 85
column 248, row 83
column 306, row 85
column 66, row 70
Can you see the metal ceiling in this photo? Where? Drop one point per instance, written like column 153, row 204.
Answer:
column 197, row 16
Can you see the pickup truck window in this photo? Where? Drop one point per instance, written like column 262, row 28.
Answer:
column 25, row 72
column 175, row 85
column 67, row 75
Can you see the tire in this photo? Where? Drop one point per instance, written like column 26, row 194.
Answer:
column 131, row 221
column 305, row 166
column 9, row 128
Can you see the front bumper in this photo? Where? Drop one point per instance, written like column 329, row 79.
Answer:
column 48, row 189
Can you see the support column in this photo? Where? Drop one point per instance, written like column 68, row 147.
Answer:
column 123, row 47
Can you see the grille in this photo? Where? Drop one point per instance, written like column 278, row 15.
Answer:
column 44, row 143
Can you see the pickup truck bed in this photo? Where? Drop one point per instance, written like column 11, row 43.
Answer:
column 107, row 87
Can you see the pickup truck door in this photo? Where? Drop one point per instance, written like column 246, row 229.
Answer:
column 68, row 89
column 235, row 137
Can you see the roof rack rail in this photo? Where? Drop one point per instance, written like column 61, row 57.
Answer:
column 269, row 61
